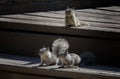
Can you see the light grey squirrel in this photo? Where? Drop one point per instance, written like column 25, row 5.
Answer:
column 48, row 58
column 71, row 20
column 69, row 59
column 60, row 48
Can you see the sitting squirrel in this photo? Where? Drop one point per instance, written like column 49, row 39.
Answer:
column 60, row 47
column 69, row 59
column 61, row 56
column 48, row 58
column 72, row 21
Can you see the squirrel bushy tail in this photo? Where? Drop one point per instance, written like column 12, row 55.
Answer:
column 59, row 45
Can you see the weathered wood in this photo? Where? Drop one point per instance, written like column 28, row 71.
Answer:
column 14, row 75
column 112, row 8
column 102, row 36
column 91, row 11
column 81, row 15
column 33, row 18
column 111, row 21
column 95, row 15
column 20, row 69
column 51, row 73
column 43, row 27
column 26, row 43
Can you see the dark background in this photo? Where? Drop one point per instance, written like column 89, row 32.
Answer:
column 21, row 6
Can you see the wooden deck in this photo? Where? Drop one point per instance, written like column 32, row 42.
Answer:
column 101, row 19
column 35, row 29
column 23, row 34
column 23, row 67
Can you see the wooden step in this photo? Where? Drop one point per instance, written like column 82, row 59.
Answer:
column 24, row 33
column 27, row 67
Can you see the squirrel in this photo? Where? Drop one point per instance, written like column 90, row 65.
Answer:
column 69, row 59
column 48, row 58
column 60, row 48
column 72, row 21
column 59, row 44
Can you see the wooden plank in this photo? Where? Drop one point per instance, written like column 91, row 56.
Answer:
column 23, row 61
column 53, row 73
column 99, row 20
column 92, row 23
column 14, row 75
column 61, row 15
column 91, row 11
column 34, row 26
column 84, row 16
column 79, row 14
column 103, row 26
column 111, row 8
column 47, row 14
column 23, row 43
column 43, row 20
column 34, row 18
column 32, row 62
column 55, row 23
column 8, row 63
column 114, row 17
column 93, row 16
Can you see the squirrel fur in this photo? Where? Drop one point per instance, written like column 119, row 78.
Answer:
column 72, row 21
column 48, row 58
column 60, row 48
column 69, row 59
column 59, row 45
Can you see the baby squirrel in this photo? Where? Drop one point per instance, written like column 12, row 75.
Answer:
column 72, row 21
column 48, row 58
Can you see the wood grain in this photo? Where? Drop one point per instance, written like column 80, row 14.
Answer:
column 102, row 37
column 111, row 8
column 99, row 18
column 20, row 70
